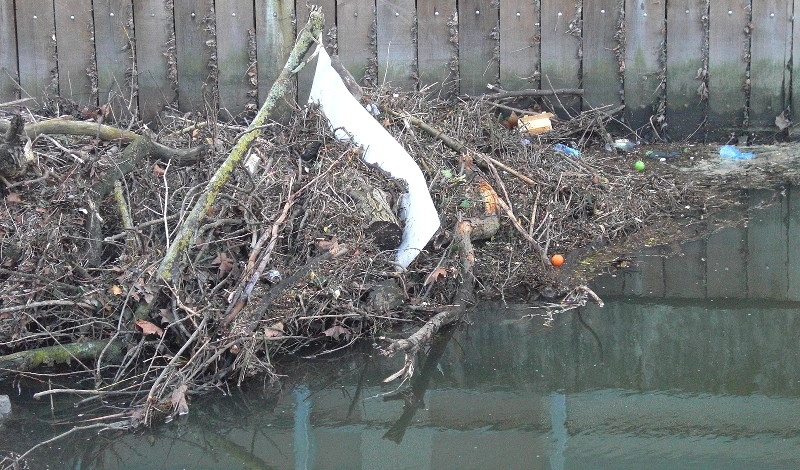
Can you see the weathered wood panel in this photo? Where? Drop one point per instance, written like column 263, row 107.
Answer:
column 645, row 28
column 155, row 75
column 113, row 25
column 727, row 67
column 477, row 64
column 36, row 48
column 767, row 264
column 686, row 110
column 274, row 39
column 770, row 55
column 9, row 71
column 685, row 275
column 794, row 131
column 560, row 63
column 192, row 52
column 75, row 50
column 397, row 50
column 793, row 237
column 520, row 38
column 306, row 76
column 601, row 78
column 234, row 26
column 354, row 20
column 726, row 270
column 437, row 53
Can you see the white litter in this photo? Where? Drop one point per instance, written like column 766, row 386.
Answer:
column 351, row 122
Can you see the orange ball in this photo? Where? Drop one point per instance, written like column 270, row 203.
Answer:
column 557, row 260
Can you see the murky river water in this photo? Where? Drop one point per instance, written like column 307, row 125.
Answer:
column 694, row 362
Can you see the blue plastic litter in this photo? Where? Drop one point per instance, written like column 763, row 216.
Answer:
column 732, row 153
column 568, row 150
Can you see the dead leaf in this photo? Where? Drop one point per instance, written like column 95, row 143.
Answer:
column 329, row 245
column 13, row 197
column 512, row 121
column 436, row 275
column 274, row 331
column 224, row 262
column 178, row 400
column 115, row 290
column 158, row 171
column 781, row 121
column 148, row 328
column 336, row 331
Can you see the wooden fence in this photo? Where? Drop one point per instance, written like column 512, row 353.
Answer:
column 700, row 66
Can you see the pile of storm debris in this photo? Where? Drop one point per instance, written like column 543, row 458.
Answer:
column 158, row 265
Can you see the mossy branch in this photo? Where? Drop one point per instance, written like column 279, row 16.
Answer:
column 187, row 232
column 62, row 354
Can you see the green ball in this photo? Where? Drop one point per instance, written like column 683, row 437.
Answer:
column 639, row 165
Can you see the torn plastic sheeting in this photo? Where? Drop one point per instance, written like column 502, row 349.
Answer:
column 351, row 121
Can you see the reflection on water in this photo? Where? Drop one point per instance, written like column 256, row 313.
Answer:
column 669, row 374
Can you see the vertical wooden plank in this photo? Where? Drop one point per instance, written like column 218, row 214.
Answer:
column 726, row 269
column 520, row 43
column 9, row 71
column 685, row 108
column 767, row 263
column 328, row 7
column 477, row 64
column 645, row 27
column 354, row 20
column 685, row 275
column 154, row 74
column 397, row 49
column 274, row 39
column 438, row 55
column 727, row 67
column 235, row 24
column 38, row 71
column 113, row 30
column 793, row 238
column 601, row 79
column 794, row 131
column 74, row 47
column 770, row 54
column 192, row 53
column 560, row 44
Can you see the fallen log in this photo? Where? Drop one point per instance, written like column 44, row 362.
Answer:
column 24, row 361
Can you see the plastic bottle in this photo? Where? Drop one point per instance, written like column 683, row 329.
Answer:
column 624, row 144
column 732, row 153
column 568, row 150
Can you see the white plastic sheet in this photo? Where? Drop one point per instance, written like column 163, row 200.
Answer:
column 352, row 122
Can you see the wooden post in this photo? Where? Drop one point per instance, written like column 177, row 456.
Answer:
column 397, row 51
column 770, row 54
column 601, row 69
column 274, row 38
column 192, row 53
column 38, row 70
column 354, row 21
column 9, row 71
column 235, row 23
column 520, row 43
column 113, row 32
column 727, row 67
column 560, row 62
column 686, row 108
column 645, row 28
column 155, row 68
column 477, row 64
column 75, row 50
column 437, row 54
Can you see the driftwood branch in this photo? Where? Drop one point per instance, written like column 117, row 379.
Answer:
column 23, row 361
column 102, row 132
column 188, row 229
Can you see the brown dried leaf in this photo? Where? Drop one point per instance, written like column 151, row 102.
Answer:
column 436, row 275
column 274, row 331
column 224, row 262
column 330, row 245
column 158, row 171
column 148, row 328
column 13, row 197
column 178, row 400
column 336, row 331
column 116, row 289
column 512, row 121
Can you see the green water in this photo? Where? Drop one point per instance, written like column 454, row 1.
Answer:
column 694, row 363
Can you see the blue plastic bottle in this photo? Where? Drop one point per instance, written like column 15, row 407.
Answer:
column 568, row 150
